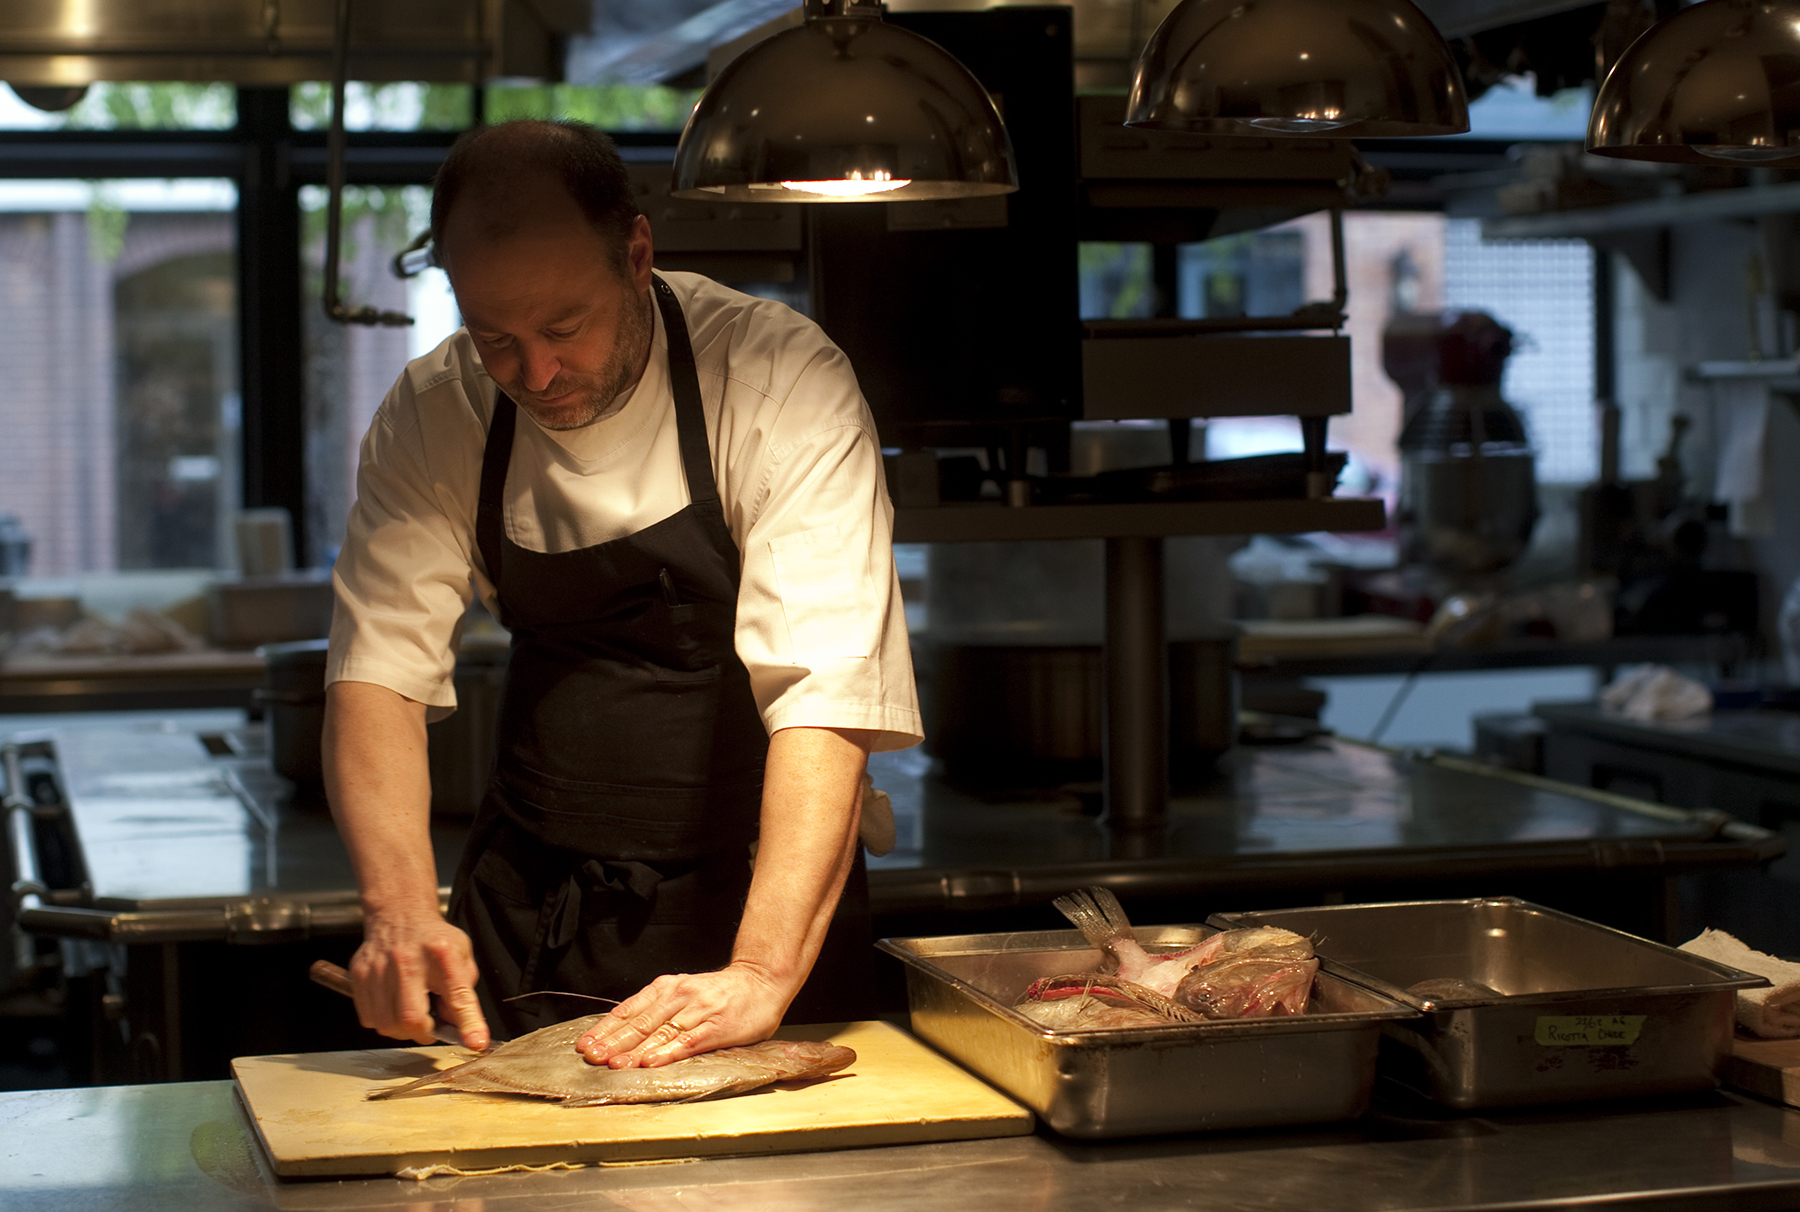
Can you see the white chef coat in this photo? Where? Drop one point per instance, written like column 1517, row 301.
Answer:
column 820, row 624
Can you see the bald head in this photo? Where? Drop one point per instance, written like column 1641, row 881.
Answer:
column 499, row 181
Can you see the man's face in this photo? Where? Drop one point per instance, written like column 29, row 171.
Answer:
column 554, row 322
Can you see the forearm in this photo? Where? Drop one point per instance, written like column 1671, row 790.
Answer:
column 812, row 799
column 379, row 786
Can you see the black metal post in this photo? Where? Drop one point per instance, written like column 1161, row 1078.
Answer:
column 1137, row 686
column 273, row 352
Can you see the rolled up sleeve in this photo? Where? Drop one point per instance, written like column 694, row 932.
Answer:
column 821, row 627
column 402, row 579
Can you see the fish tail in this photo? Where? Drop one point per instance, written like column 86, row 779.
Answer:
column 430, row 1079
column 1097, row 913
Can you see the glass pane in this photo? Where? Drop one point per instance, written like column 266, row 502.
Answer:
column 122, row 106
column 1513, row 110
column 608, row 106
column 1115, row 282
column 1251, row 274
column 1544, row 291
column 400, row 105
column 121, row 408
column 350, row 367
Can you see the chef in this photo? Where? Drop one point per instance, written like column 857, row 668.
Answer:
column 671, row 494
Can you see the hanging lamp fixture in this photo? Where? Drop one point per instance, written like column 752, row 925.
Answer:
column 844, row 108
column 1716, row 82
column 1341, row 68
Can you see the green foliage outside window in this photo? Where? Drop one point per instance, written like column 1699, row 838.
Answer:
column 168, row 106
column 399, row 105
column 609, row 106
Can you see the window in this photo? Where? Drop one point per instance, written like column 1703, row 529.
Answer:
column 125, row 106
column 350, row 367
column 1544, row 291
column 1395, row 262
column 121, row 407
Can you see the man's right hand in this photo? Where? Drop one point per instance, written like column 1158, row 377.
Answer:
column 401, row 963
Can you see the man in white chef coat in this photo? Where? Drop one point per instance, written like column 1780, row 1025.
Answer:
column 671, row 494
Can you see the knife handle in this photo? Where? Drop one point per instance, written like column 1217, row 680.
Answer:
column 334, row 978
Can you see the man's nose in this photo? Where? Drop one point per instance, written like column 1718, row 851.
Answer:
column 538, row 366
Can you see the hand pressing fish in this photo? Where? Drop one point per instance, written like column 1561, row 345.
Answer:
column 544, row 1064
column 1252, row 973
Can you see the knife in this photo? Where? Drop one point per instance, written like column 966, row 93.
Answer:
column 334, row 978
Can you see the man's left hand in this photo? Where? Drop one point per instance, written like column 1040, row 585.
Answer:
column 678, row 1016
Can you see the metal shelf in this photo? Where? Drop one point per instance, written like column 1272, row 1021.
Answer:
column 997, row 523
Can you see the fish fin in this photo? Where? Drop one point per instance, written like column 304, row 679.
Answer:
column 430, row 1079
column 1097, row 913
column 742, row 1085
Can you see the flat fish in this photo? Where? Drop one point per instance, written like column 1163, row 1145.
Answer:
column 1250, row 973
column 1091, row 1001
column 544, row 1064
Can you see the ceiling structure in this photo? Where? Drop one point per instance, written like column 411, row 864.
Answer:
column 653, row 41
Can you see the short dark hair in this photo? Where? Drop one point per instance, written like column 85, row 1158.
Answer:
column 492, row 158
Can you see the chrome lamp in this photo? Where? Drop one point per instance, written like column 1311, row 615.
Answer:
column 1340, row 68
column 844, row 108
column 1715, row 82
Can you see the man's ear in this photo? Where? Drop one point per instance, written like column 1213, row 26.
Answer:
column 640, row 254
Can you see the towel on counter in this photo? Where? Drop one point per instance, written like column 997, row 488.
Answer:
column 1772, row 1013
column 1655, row 692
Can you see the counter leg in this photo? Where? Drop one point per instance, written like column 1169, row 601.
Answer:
column 1137, row 686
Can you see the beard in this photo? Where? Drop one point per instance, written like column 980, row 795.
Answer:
column 595, row 393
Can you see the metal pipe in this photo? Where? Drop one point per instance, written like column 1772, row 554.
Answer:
column 1137, row 686
column 1340, row 278
column 334, row 177
column 28, row 882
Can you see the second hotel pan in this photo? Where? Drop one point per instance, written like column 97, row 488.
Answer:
column 1571, row 1010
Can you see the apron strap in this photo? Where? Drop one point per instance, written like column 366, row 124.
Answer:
column 490, row 511
column 684, row 381
column 559, row 916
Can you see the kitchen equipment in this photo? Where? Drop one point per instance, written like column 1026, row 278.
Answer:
column 312, row 1117
column 1579, row 1010
column 265, row 541
column 1768, row 1068
column 270, row 609
column 293, row 701
column 459, row 747
column 1009, row 711
column 1229, row 1074
column 1468, row 484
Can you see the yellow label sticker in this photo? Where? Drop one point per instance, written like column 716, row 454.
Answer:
column 1589, row 1030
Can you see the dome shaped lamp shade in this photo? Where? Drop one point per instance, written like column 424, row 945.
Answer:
column 1342, row 68
column 1716, row 82
column 844, row 108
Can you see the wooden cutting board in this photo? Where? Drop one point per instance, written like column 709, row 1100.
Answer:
column 1769, row 1068
column 312, row 1117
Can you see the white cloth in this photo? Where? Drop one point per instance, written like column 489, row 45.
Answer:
column 820, row 624
column 1773, row 1013
column 1655, row 692
column 1740, row 472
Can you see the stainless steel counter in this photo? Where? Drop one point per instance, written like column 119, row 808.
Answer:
column 186, row 853
column 187, row 1148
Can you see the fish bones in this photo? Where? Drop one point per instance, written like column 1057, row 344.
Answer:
column 1249, row 973
column 544, row 1064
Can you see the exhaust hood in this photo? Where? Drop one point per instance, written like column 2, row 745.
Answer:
column 67, row 43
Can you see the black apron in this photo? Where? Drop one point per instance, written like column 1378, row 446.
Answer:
column 613, row 844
